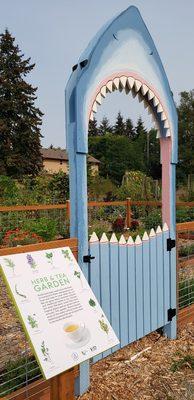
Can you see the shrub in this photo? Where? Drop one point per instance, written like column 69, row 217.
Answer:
column 134, row 225
column 44, row 227
column 118, row 225
column 152, row 220
column 182, row 215
column 18, row 236
column 16, row 372
column 99, row 227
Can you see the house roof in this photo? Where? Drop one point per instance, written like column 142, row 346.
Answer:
column 61, row 154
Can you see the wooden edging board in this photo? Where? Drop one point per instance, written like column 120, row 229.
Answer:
column 60, row 387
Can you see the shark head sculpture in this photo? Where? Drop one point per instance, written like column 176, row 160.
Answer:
column 122, row 56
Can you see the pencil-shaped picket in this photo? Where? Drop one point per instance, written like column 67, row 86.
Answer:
column 114, row 286
column 123, row 289
column 160, row 277
column 131, row 290
column 146, row 284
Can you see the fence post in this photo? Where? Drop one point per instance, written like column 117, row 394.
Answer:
column 128, row 212
column 68, row 209
column 62, row 386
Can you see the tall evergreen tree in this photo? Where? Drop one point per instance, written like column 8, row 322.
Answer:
column 119, row 128
column 20, row 120
column 93, row 128
column 129, row 129
column 186, row 135
column 105, row 127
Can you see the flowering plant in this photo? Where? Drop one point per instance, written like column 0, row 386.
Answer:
column 18, row 236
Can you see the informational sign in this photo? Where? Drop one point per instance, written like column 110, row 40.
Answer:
column 61, row 316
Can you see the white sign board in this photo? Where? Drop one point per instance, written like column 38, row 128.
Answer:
column 63, row 320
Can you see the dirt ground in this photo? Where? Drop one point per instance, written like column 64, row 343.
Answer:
column 164, row 370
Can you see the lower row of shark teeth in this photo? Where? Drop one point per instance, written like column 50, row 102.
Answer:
column 144, row 94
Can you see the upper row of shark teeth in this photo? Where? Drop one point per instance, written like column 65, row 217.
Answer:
column 144, row 94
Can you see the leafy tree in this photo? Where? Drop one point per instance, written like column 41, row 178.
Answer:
column 153, row 164
column 129, row 129
column 105, row 127
column 93, row 128
column 186, row 135
column 59, row 187
column 119, row 127
column 116, row 155
column 20, row 120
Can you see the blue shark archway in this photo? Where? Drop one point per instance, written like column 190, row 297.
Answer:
column 122, row 56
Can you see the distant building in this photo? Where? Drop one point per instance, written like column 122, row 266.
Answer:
column 56, row 160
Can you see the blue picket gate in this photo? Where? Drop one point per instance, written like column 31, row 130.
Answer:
column 131, row 280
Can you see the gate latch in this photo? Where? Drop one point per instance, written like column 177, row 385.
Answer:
column 88, row 258
column 170, row 244
column 171, row 313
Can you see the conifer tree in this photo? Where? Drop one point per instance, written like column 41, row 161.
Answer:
column 119, row 128
column 129, row 129
column 93, row 128
column 105, row 127
column 20, row 119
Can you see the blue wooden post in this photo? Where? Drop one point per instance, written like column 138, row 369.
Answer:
column 146, row 284
column 123, row 292
column 131, row 290
column 114, row 287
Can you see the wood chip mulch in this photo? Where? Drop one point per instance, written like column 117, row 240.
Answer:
column 149, row 376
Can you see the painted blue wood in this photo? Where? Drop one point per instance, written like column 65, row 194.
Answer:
column 153, row 283
column 139, row 290
column 131, row 293
column 105, row 283
column 94, row 277
column 160, row 278
column 123, row 294
column 146, row 285
column 166, row 263
column 114, row 289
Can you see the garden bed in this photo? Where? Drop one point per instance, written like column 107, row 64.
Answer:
column 163, row 371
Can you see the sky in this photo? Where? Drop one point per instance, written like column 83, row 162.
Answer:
column 54, row 33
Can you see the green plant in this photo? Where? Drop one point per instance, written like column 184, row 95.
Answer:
column 44, row 227
column 184, row 361
column 186, row 293
column 152, row 220
column 186, row 250
column 99, row 227
column 16, row 372
column 182, row 214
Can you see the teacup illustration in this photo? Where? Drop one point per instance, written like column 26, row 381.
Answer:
column 74, row 330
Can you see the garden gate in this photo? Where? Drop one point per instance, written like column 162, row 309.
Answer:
column 122, row 56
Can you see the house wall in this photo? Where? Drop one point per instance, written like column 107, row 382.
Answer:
column 54, row 166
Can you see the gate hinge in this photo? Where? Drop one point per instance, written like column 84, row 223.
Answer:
column 88, row 258
column 171, row 313
column 170, row 244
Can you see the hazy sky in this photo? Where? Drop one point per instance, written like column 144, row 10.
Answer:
column 54, row 33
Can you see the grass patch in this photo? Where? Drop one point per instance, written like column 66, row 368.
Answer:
column 183, row 362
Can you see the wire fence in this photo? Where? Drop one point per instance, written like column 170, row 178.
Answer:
column 185, row 287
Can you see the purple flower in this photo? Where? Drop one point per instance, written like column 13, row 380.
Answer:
column 31, row 261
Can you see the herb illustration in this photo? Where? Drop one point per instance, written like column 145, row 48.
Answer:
column 20, row 294
column 103, row 325
column 77, row 273
column 9, row 263
column 45, row 352
column 66, row 254
column 31, row 262
column 49, row 257
column 32, row 321
column 92, row 304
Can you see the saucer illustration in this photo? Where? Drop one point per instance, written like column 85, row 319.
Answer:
column 82, row 342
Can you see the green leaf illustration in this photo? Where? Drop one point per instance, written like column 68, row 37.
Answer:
column 32, row 321
column 103, row 326
column 66, row 254
column 45, row 351
column 9, row 263
column 92, row 303
column 78, row 274
column 49, row 256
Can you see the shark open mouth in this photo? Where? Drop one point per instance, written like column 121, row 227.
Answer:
column 145, row 94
